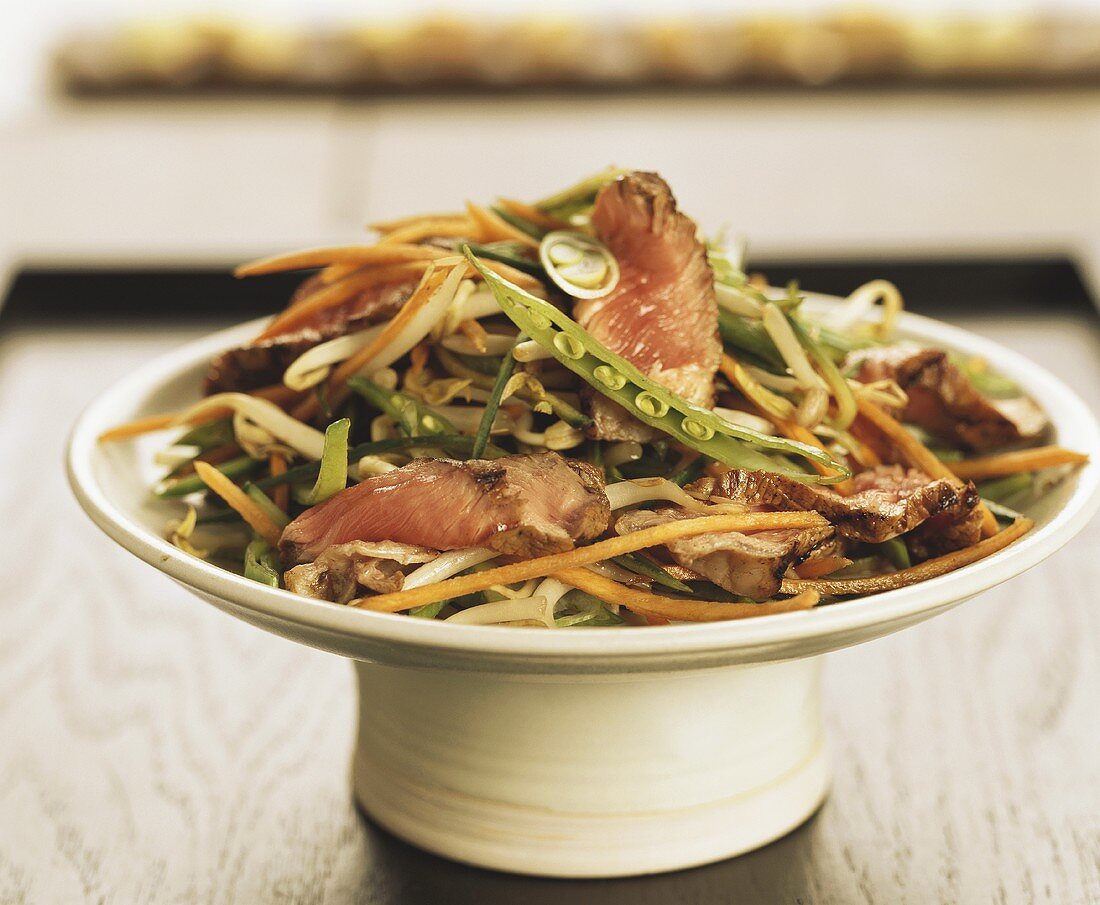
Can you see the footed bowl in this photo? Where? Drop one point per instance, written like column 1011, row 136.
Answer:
column 583, row 752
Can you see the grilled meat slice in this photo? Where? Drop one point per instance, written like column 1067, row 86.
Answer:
column 752, row 565
column 662, row 316
column 344, row 571
column 262, row 362
column 885, row 502
column 525, row 505
column 944, row 402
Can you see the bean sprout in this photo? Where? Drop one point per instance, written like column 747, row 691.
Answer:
column 775, row 322
column 862, row 301
column 643, row 490
column 535, row 609
column 447, row 564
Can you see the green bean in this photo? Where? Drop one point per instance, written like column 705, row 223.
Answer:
column 689, row 472
column 207, row 436
column 653, row 404
column 510, row 253
column 219, row 517
column 639, row 565
column 896, row 552
column 1001, row 490
column 578, row 196
column 749, row 336
column 504, row 374
column 837, row 344
column 1002, row 512
column 234, row 468
column 988, row 383
column 586, row 610
column 414, row 419
column 482, row 365
column 558, row 406
column 524, row 226
column 452, row 444
column 261, row 563
column 332, row 473
column 845, row 401
column 265, row 502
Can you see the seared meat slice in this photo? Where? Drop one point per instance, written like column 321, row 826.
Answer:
column 752, row 565
column 262, row 362
column 944, row 402
column 885, row 502
column 344, row 571
column 662, row 316
column 528, row 505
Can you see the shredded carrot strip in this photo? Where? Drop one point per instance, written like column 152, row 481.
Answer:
column 431, row 281
column 1010, row 463
column 823, row 565
column 277, row 393
column 771, row 405
column 341, row 254
column 299, row 314
column 280, row 495
column 532, row 214
column 336, row 272
column 336, row 387
column 428, row 227
column 601, row 550
column 917, row 455
column 475, row 333
column 239, row 500
column 418, row 359
column 138, row 427
column 388, row 226
column 863, row 454
column 930, row 568
column 779, row 410
column 496, row 229
column 512, row 275
column 682, row 610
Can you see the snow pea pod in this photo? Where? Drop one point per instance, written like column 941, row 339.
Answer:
column 648, row 401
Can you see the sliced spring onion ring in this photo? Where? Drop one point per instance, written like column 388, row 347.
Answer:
column 578, row 264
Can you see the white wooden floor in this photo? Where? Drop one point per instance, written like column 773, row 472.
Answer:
column 154, row 750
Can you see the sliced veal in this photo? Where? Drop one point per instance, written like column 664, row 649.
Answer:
column 524, row 505
column 943, row 401
column 662, row 316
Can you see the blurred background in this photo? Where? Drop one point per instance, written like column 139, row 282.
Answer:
column 173, row 132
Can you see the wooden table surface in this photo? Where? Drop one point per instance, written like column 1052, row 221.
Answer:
column 155, row 750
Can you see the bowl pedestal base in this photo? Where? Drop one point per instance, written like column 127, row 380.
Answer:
column 591, row 776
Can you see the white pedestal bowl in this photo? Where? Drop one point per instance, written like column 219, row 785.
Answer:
column 579, row 752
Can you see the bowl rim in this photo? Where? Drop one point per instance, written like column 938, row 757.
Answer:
column 127, row 397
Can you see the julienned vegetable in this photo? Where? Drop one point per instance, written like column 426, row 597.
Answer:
column 646, row 400
column 481, row 438
column 261, row 563
column 576, row 413
column 332, row 476
column 412, row 417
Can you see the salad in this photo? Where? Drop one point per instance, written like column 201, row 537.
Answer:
column 582, row 412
